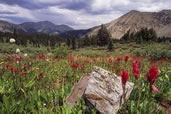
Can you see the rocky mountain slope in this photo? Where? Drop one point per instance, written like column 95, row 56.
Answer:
column 34, row 27
column 9, row 27
column 135, row 20
column 45, row 27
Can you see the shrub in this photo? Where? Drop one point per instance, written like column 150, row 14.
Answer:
column 61, row 51
column 155, row 51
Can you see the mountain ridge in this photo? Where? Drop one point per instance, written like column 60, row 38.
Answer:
column 133, row 21
column 34, row 27
column 136, row 20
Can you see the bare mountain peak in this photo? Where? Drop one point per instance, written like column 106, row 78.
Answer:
column 134, row 11
column 136, row 20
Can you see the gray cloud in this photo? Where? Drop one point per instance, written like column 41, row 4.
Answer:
column 76, row 13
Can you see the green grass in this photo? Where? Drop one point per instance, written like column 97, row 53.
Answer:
column 6, row 48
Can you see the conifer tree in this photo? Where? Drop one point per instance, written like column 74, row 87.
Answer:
column 86, row 41
column 68, row 42
column 103, row 36
column 110, row 45
column 73, row 43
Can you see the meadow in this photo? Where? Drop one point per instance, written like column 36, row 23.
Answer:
column 38, row 80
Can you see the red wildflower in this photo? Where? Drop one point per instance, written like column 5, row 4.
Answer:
column 135, row 69
column 118, row 59
column 75, row 66
column 151, row 77
column 41, row 56
column 23, row 73
column 13, row 69
column 110, row 60
column 153, row 61
column 25, row 67
column 126, row 58
column 152, row 74
column 82, row 66
column 9, row 58
column 41, row 74
column 124, row 77
column 18, row 58
column 7, row 65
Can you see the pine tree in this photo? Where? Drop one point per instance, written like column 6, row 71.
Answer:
column 86, row 41
column 68, row 42
column 79, row 44
column 103, row 36
column 153, row 35
column 73, row 43
column 110, row 45
column 126, row 36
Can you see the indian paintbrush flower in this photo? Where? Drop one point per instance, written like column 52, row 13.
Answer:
column 124, row 77
column 151, row 77
column 126, row 58
column 75, row 66
column 135, row 70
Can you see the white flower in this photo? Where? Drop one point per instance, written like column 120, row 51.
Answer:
column 25, row 55
column 49, row 54
column 17, row 50
column 47, row 60
column 12, row 40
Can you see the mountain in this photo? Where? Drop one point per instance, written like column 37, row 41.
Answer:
column 9, row 27
column 45, row 27
column 136, row 20
column 34, row 27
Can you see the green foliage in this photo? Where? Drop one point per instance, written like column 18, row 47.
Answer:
column 110, row 45
column 68, row 42
column 32, row 93
column 61, row 51
column 87, row 41
column 126, row 36
column 7, row 48
column 155, row 51
column 35, row 39
column 73, row 43
column 139, row 37
column 103, row 36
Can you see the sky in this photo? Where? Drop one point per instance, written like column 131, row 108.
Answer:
column 79, row 14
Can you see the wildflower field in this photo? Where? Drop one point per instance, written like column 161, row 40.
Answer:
column 40, row 83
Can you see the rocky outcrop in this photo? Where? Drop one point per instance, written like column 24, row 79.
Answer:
column 100, row 89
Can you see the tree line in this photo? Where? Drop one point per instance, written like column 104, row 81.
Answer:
column 36, row 39
column 103, row 38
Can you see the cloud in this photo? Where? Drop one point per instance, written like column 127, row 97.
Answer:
column 76, row 13
column 81, row 18
column 15, row 11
